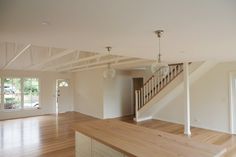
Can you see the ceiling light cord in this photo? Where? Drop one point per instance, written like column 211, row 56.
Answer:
column 110, row 72
column 109, row 53
column 159, row 68
column 109, row 49
column 159, row 48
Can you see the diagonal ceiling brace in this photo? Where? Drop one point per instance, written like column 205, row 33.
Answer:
column 14, row 58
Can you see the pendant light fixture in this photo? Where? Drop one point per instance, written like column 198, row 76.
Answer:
column 110, row 72
column 159, row 68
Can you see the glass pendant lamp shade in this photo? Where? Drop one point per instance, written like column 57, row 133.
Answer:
column 109, row 73
column 159, row 68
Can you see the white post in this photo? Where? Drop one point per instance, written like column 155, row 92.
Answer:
column 175, row 71
column 231, row 107
column 155, row 85
column 152, row 89
column 139, row 99
column 2, row 96
column 136, row 105
column 187, row 100
column 144, row 94
column 158, row 82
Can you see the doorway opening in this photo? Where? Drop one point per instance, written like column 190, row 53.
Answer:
column 137, row 85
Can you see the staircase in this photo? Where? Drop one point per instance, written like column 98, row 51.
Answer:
column 154, row 85
column 156, row 92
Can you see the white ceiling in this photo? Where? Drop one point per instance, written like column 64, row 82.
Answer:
column 195, row 30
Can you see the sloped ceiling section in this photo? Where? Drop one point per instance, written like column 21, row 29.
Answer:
column 15, row 56
column 195, row 30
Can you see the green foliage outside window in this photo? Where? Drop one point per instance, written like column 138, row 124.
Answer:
column 31, row 87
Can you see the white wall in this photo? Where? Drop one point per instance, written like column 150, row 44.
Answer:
column 101, row 98
column 91, row 95
column 209, row 101
column 47, row 93
column 88, row 92
column 117, row 96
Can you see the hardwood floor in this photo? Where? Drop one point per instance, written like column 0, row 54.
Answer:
column 44, row 136
column 52, row 136
column 201, row 135
column 198, row 134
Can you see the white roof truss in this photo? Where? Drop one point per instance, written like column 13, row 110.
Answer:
column 98, row 62
column 54, row 57
column 116, row 64
column 16, row 56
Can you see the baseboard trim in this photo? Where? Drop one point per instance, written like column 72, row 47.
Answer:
column 192, row 125
column 142, row 119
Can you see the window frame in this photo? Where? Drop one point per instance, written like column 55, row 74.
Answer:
column 2, row 94
column 62, row 81
column 2, row 108
column 39, row 84
column 3, row 105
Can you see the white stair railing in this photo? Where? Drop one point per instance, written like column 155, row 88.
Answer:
column 154, row 85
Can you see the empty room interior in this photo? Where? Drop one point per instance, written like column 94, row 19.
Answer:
column 117, row 78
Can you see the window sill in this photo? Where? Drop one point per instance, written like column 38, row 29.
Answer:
column 11, row 110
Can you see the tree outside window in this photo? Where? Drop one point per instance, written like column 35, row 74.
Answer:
column 31, row 93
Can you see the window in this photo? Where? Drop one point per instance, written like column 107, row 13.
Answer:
column 18, row 93
column 12, row 93
column 0, row 93
column 31, row 93
column 63, row 83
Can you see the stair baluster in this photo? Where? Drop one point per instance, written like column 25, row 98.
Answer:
column 155, row 84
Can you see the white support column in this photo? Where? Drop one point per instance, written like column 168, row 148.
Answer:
column 187, row 100
column 232, row 91
column 22, row 92
column 2, row 95
column 136, row 105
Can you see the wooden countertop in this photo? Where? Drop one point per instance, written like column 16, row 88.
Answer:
column 137, row 141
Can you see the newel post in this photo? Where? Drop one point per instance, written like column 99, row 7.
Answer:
column 136, row 105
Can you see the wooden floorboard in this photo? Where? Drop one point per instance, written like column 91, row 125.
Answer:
column 198, row 134
column 44, row 136
column 53, row 136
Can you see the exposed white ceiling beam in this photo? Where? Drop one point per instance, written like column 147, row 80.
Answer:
column 116, row 59
column 54, row 57
column 18, row 54
column 113, row 65
column 131, row 65
column 73, row 62
column 91, row 68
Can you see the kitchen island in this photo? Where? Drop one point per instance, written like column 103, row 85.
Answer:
column 113, row 138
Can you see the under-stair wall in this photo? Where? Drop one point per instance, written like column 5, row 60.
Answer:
column 209, row 101
column 172, row 90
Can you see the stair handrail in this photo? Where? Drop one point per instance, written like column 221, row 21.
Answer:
column 155, row 85
column 153, row 75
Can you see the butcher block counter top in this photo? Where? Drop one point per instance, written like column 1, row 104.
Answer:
column 137, row 141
